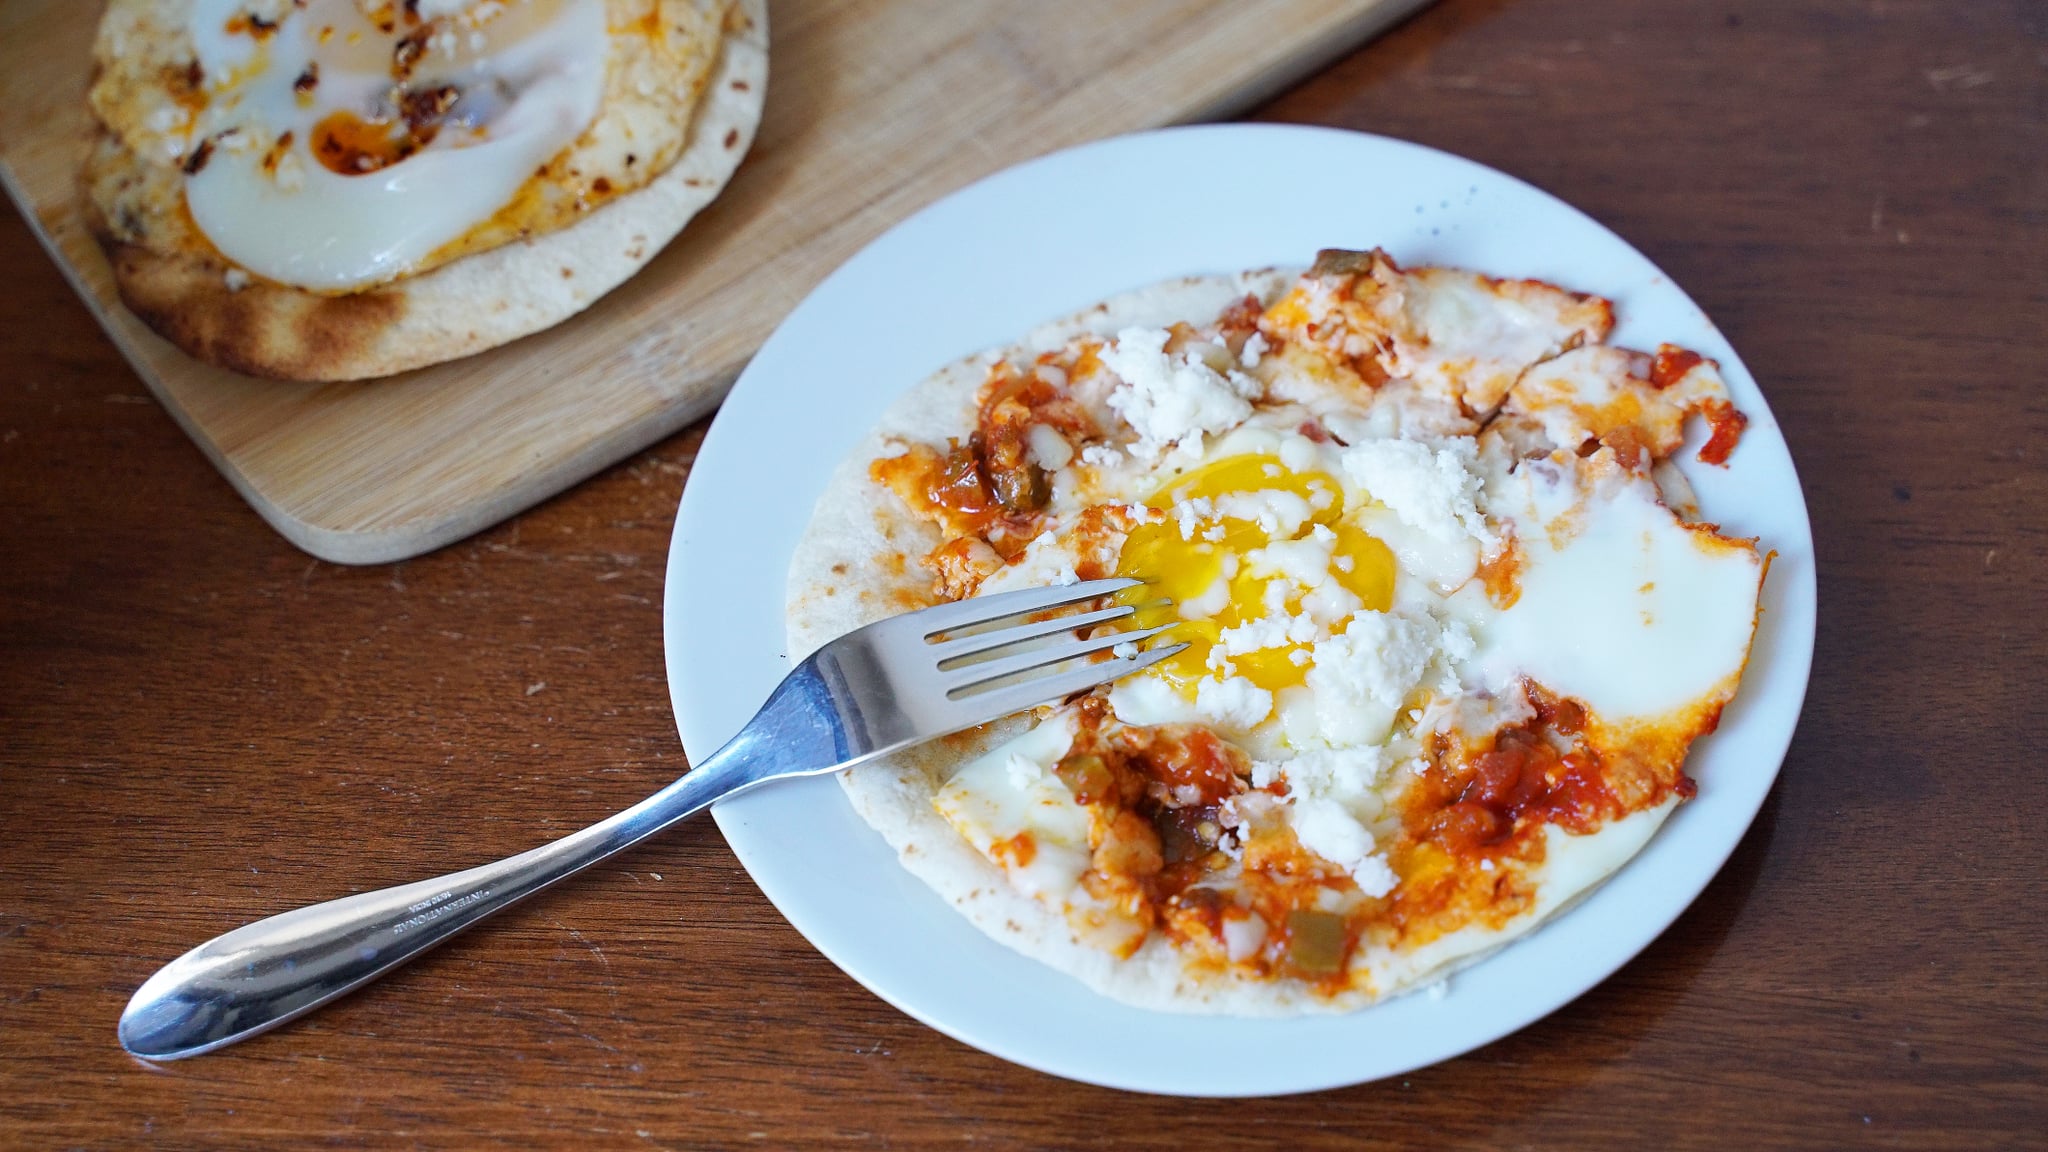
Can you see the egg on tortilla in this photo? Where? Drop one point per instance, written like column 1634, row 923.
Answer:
column 335, row 189
column 1448, row 642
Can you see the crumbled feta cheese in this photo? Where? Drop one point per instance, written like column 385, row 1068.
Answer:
column 1232, row 703
column 1432, row 490
column 236, row 279
column 1171, row 400
column 1277, row 512
column 1101, row 455
column 1330, row 828
column 1125, row 651
column 1361, row 676
column 1255, row 347
column 1330, row 603
column 1347, row 774
column 1267, row 632
column 1306, row 562
column 1374, row 876
column 1325, row 828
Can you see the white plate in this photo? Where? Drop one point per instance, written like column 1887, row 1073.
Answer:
column 1057, row 234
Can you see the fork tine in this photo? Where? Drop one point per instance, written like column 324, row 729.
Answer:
column 951, row 651
column 1017, row 697
column 1001, row 606
column 966, row 679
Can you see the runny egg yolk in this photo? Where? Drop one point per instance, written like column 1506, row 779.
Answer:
column 1187, row 567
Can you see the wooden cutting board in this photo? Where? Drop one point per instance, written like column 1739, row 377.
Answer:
column 875, row 109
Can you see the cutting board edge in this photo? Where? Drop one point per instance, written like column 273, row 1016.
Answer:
column 421, row 535
column 1311, row 60
column 422, row 532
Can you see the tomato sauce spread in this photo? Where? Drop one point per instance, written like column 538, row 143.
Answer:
column 1727, row 424
column 1473, row 823
column 987, row 495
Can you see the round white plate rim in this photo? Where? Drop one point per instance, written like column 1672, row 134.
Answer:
column 706, row 601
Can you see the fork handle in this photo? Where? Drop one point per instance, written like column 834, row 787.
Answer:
column 262, row 974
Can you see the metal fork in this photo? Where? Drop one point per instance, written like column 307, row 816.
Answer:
column 890, row 685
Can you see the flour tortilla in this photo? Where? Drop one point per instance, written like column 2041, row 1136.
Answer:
column 461, row 308
column 845, row 574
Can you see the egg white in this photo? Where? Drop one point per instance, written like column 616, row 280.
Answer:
column 268, row 203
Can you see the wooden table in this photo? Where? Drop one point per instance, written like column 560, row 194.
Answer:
column 199, row 725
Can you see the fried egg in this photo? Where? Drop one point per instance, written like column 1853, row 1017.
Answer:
column 335, row 145
column 341, row 149
column 1442, row 631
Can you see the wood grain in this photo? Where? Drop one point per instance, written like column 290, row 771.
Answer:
column 874, row 110
column 201, row 725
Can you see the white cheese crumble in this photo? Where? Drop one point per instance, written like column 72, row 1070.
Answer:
column 1276, row 511
column 1172, row 399
column 1325, row 828
column 1374, row 876
column 1348, row 774
column 1232, row 703
column 1432, row 490
column 1255, row 347
column 1361, row 676
column 1188, row 515
column 236, row 279
column 1101, row 455
column 1268, row 632
column 1305, row 562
